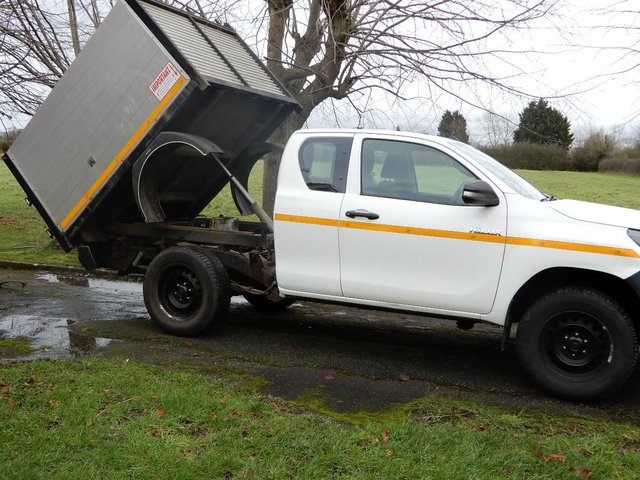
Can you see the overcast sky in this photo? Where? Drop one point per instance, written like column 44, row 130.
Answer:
column 574, row 56
column 572, row 60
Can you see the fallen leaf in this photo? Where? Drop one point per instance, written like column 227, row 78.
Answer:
column 329, row 376
column 362, row 444
column 54, row 403
column 536, row 451
column 389, row 453
column 154, row 399
column 404, row 378
column 582, row 472
column 385, row 436
column 555, row 457
column 228, row 475
column 4, row 386
column 32, row 380
column 374, row 440
column 585, row 452
column 160, row 412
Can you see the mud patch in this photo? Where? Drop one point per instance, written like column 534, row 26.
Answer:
column 14, row 347
column 354, row 399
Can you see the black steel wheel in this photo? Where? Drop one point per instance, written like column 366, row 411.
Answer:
column 186, row 291
column 267, row 305
column 577, row 343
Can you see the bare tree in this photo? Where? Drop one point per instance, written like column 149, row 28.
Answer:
column 319, row 49
column 38, row 42
column 498, row 129
column 335, row 49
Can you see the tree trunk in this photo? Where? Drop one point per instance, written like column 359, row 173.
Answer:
column 272, row 162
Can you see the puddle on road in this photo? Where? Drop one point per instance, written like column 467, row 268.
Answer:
column 107, row 286
column 100, row 284
column 49, row 337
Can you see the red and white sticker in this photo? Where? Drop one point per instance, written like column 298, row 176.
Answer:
column 166, row 79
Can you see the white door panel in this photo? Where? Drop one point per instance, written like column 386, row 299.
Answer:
column 311, row 184
column 307, row 253
column 422, row 254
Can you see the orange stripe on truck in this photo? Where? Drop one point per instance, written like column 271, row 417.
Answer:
column 476, row 237
column 122, row 154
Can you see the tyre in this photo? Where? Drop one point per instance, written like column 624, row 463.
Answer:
column 265, row 304
column 577, row 343
column 186, row 291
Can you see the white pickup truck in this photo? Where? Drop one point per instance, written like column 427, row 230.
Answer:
column 124, row 154
column 430, row 225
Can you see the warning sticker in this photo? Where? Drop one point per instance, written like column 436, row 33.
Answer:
column 166, row 79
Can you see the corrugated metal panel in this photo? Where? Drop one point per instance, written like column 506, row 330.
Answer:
column 236, row 53
column 192, row 45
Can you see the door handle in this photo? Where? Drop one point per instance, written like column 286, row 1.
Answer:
column 362, row 213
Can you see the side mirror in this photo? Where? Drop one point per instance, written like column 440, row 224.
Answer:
column 480, row 193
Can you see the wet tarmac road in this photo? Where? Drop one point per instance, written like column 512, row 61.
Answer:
column 353, row 359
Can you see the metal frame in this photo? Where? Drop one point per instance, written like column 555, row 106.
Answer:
column 184, row 233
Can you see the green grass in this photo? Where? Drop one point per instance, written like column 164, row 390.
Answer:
column 607, row 188
column 23, row 236
column 115, row 419
column 23, row 233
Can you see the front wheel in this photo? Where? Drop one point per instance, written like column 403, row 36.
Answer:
column 186, row 291
column 577, row 343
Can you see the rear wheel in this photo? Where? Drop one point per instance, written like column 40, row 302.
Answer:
column 265, row 304
column 577, row 343
column 186, row 291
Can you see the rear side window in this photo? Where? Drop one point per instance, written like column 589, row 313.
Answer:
column 324, row 162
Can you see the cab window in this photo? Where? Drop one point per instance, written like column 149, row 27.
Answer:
column 410, row 171
column 324, row 162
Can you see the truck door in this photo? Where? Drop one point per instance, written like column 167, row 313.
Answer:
column 407, row 238
column 311, row 185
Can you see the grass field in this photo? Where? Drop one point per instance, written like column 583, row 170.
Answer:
column 23, row 233
column 118, row 420
column 611, row 189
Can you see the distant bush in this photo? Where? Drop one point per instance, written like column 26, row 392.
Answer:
column 593, row 149
column 530, row 156
column 6, row 139
column 628, row 166
column 632, row 151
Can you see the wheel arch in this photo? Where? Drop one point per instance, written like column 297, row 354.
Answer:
column 553, row 278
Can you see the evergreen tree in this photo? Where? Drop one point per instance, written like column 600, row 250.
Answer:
column 453, row 125
column 541, row 123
